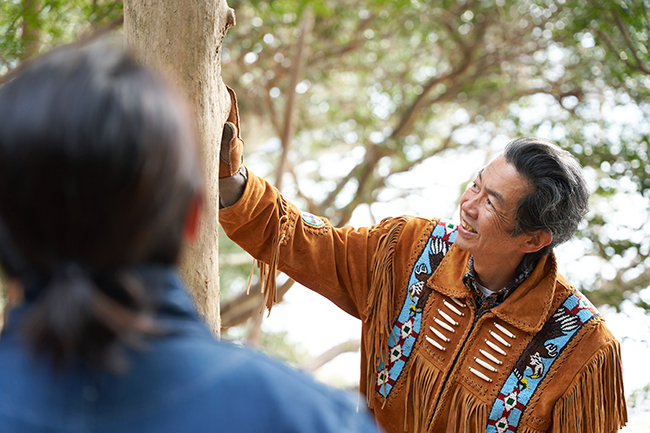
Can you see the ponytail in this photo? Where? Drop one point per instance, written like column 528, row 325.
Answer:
column 73, row 318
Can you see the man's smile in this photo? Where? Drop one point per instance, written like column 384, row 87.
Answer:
column 467, row 227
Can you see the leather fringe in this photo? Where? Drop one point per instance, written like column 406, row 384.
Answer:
column 379, row 311
column 268, row 272
column 469, row 413
column 596, row 402
column 525, row 429
column 419, row 392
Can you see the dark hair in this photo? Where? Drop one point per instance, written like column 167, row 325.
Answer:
column 559, row 196
column 98, row 168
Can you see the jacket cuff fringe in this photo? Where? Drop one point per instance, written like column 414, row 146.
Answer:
column 268, row 272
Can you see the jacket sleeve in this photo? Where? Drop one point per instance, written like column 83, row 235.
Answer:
column 334, row 262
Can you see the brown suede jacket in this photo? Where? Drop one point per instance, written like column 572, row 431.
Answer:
column 541, row 361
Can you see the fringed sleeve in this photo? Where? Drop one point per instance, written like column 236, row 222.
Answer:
column 595, row 402
column 268, row 272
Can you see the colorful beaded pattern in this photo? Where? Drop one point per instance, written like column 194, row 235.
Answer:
column 536, row 360
column 408, row 324
column 312, row 220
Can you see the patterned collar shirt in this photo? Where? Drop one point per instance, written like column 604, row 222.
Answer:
column 485, row 302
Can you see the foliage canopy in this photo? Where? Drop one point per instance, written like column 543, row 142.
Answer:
column 341, row 99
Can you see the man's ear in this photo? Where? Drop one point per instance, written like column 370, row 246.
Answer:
column 193, row 219
column 537, row 241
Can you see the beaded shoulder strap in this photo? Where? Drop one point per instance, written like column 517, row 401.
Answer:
column 536, row 360
column 406, row 329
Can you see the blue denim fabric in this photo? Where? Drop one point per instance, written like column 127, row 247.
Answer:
column 185, row 381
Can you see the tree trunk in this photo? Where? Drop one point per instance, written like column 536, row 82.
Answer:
column 183, row 39
column 31, row 33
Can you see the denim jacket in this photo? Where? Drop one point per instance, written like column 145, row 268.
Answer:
column 184, row 381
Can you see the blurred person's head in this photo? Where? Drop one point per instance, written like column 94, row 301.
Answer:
column 98, row 175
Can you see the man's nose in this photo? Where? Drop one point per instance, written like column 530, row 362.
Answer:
column 469, row 204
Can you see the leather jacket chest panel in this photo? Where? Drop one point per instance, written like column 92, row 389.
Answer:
column 447, row 322
column 479, row 356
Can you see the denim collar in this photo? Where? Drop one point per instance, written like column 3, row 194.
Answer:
column 162, row 284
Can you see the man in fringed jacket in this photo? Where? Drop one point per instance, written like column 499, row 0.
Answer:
column 468, row 327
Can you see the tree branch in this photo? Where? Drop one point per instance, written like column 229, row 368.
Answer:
column 339, row 51
column 243, row 306
column 612, row 48
column 647, row 23
column 339, row 187
column 318, row 361
column 445, row 145
column 31, row 33
column 411, row 114
column 640, row 66
column 306, row 24
column 614, row 291
column 271, row 107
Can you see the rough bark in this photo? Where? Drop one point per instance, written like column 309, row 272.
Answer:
column 183, row 39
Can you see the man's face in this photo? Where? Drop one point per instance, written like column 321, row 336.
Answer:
column 488, row 210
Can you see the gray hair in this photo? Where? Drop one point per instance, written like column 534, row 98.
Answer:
column 558, row 200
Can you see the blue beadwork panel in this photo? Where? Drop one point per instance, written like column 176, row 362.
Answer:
column 407, row 326
column 536, row 360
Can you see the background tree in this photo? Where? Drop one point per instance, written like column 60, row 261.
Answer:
column 611, row 136
column 374, row 90
column 28, row 27
column 185, row 43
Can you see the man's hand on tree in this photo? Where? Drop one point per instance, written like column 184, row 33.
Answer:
column 232, row 174
column 232, row 146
